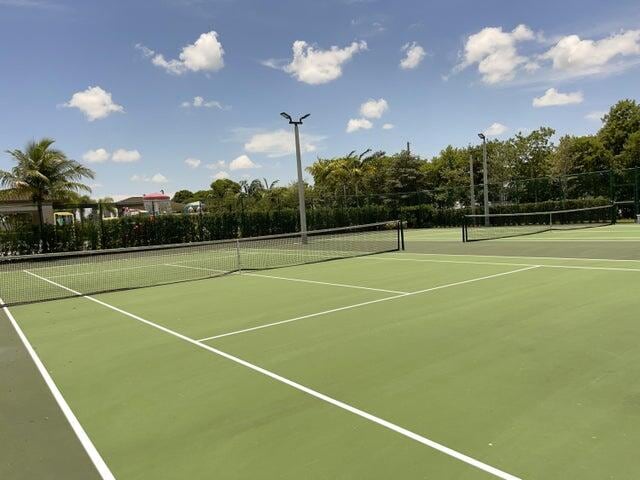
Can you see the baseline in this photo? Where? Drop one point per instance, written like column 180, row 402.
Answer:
column 470, row 262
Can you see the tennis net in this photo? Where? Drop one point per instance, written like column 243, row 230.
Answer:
column 43, row 277
column 494, row 226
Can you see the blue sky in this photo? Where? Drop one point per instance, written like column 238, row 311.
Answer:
column 172, row 93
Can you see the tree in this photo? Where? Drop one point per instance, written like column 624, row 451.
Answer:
column 630, row 156
column 447, row 177
column 405, row 174
column 183, row 196
column 255, row 187
column 528, row 158
column 622, row 121
column 267, row 185
column 107, row 205
column 586, row 160
column 223, row 186
column 44, row 172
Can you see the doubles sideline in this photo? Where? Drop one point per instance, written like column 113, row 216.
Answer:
column 309, row 391
column 85, row 441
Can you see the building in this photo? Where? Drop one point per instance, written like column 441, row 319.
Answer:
column 150, row 203
column 129, row 205
column 16, row 204
column 157, row 203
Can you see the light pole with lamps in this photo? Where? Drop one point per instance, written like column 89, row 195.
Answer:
column 301, row 202
column 485, row 179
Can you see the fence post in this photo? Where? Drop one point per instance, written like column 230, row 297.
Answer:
column 611, row 187
column 101, row 220
column 636, row 192
column 200, row 224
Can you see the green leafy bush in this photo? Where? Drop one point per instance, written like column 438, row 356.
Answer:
column 166, row 229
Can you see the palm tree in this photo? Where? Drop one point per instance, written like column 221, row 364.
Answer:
column 270, row 186
column 107, row 205
column 44, row 172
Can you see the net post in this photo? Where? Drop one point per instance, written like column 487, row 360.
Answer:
column 464, row 229
column 636, row 191
column 401, row 235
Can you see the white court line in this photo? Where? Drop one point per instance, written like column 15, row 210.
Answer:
column 469, row 262
column 195, row 268
column 233, row 256
column 300, row 254
column 519, row 256
column 84, row 439
column 576, row 239
column 371, row 302
column 314, row 393
column 110, row 270
column 345, row 285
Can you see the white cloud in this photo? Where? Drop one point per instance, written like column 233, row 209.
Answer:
column 596, row 116
column 221, row 176
column 192, row 162
column 241, row 163
column 94, row 102
column 374, row 108
column 126, row 156
column 99, row 155
column 531, row 66
column 553, row 98
column 205, row 54
column 216, row 165
column 314, row 66
column 388, row 126
column 574, row 55
column 31, row 4
column 157, row 178
column 278, row 143
column 495, row 130
column 495, row 52
column 199, row 102
column 356, row 124
column 414, row 54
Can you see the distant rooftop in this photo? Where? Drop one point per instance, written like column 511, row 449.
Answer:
column 156, row 196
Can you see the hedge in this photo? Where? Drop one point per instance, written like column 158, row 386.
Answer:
column 165, row 229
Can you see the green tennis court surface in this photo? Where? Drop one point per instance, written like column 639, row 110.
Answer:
column 506, row 359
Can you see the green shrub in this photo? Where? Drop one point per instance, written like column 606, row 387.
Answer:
column 165, row 229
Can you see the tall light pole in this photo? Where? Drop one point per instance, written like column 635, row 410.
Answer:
column 473, row 190
column 301, row 202
column 485, row 178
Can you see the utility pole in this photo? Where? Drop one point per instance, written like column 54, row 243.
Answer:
column 301, row 201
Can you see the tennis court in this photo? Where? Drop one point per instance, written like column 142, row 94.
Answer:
column 511, row 358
